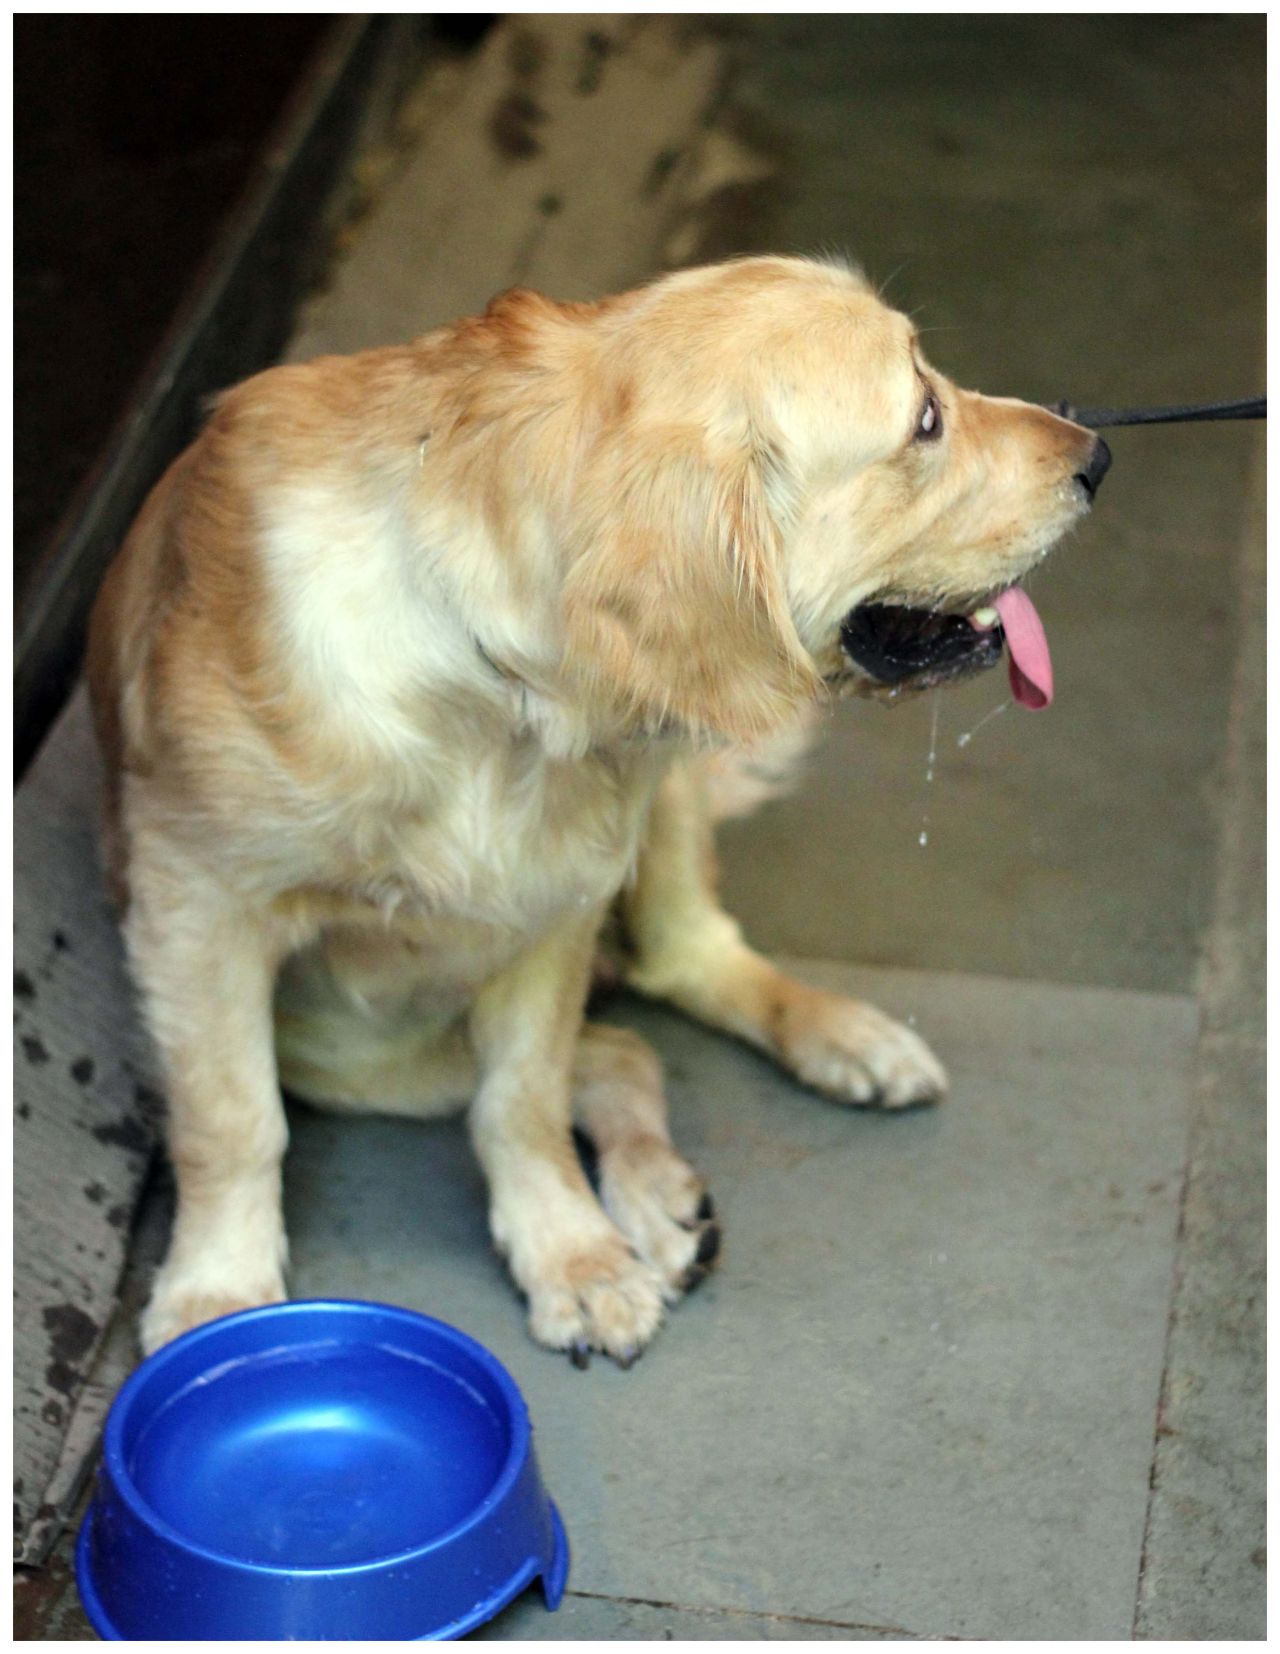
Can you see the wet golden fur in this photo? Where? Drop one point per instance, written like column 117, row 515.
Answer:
column 419, row 660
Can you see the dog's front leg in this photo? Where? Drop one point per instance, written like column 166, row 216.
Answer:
column 205, row 969
column 586, row 1287
column 689, row 951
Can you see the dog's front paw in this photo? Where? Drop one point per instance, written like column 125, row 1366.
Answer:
column 179, row 1303
column 855, row 1053
column 602, row 1297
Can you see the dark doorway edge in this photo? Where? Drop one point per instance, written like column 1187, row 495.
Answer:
column 234, row 320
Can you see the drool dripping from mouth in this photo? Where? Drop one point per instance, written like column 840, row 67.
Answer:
column 898, row 645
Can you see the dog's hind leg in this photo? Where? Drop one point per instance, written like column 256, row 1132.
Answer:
column 653, row 1195
column 689, row 951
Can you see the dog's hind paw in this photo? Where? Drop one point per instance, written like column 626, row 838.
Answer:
column 851, row 1051
column 660, row 1204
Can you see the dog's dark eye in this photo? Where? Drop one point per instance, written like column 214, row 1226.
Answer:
column 930, row 427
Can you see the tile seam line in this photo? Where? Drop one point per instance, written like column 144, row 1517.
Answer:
column 1170, row 996
column 1162, row 1399
column 1233, row 760
column 744, row 1613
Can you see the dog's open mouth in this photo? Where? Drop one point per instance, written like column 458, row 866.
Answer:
column 898, row 646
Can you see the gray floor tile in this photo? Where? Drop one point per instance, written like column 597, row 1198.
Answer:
column 921, row 1390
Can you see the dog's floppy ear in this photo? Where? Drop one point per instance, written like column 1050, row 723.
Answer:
column 674, row 607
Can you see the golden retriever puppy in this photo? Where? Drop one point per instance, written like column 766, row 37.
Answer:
column 419, row 661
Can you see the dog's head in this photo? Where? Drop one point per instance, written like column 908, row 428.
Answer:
column 775, row 490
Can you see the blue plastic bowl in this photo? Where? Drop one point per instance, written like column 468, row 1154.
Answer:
column 316, row 1470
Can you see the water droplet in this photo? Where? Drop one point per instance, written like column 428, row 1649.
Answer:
column 930, row 764
column 963, row 740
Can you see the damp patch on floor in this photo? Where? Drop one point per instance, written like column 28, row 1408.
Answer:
column 85, row 1111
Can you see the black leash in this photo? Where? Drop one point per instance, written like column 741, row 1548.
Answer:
column 1096, row 419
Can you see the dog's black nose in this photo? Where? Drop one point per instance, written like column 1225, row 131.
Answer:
column 1099, row 464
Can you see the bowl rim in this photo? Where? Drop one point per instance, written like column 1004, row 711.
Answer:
column 124, row 1487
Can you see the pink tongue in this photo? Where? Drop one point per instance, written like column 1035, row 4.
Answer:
column 1030, row 669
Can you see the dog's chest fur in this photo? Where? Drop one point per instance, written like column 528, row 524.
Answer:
column 513, row 840
column 485, row 861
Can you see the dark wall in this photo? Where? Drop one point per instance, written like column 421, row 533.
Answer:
column 133, row 136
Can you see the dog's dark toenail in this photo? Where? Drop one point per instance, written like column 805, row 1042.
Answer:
column 580, row 1355
column 706, row 1209
column 692, row 1277
column 709, row 1246
column 628, row 1358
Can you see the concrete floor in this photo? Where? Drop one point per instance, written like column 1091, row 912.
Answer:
column 992, row 1370
column 919, row 1393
